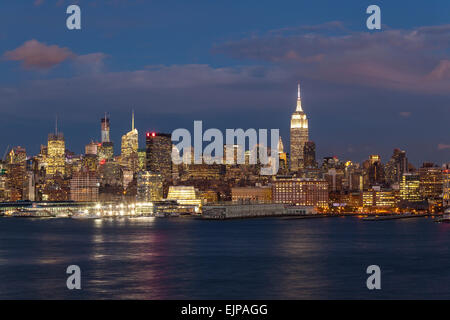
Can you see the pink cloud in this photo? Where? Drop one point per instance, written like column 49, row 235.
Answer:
column 442, row 146
column 37, row 55
column 409, row 60
column 442, row 71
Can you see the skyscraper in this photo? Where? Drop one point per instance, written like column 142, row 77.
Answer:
column 159, row 154
column 129, row 156
column 149, row 186
column 396, row 166
column 84, row 185
column 56, row 149
column 410, row 188
column 309, row 155
column 106, row 150
column 299, row 134
column 105, row 129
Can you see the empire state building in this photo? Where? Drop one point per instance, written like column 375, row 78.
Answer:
column 299, row 134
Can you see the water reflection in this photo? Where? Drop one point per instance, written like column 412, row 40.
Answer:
column 243, row 259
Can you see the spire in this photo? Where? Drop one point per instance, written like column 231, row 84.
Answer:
column 299, row 99
column 56, row 125
column 132, row 120
column 280, row 145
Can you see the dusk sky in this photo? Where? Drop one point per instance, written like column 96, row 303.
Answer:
column 232, row 64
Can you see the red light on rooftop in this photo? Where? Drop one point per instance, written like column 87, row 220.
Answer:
column 153, row 134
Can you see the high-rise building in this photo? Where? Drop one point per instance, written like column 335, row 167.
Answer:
column 396, row 166
column 84, row 186
column 16, row 181
column 142, row 159
column 159, row 154
column 105, row 129
column 430, row 177
column 105, row 150
column 410, row 188
column 309, row 155
column 446, row 185
column 149, row 186
column 56, row 154
column 282, row 157
column 129, row 152
column 299, row 135
column 374, row 171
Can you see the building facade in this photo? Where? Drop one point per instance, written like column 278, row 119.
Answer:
column 149, row 186
column 300, row 192
column 56, row 149
column 159, row 154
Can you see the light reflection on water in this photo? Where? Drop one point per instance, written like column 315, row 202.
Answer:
column 183, row 258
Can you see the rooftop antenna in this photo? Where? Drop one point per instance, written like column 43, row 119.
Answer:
column 132, row 120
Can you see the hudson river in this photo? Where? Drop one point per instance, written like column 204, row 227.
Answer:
column 186, row 258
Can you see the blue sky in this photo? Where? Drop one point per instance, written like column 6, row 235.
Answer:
column 232, row 64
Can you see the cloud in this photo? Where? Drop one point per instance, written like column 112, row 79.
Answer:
column 89, row 63
column 408, row 60
column 37, row 55
column 158, row 89
column 442, row 146
column 38, row 2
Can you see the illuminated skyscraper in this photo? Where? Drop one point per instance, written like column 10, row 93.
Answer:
column 84, row 185
column 430, row 181
column 105, row 129
column 410, row 188
column 149, row 186
column 129, row 155
column 56, row 149
column 299, row 134
column 396, row 166
column 106, row 150
column 159, row 154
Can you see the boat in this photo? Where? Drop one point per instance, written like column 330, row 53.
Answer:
column 32, row 213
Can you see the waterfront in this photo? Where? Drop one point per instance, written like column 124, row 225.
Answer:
column 185, row 258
